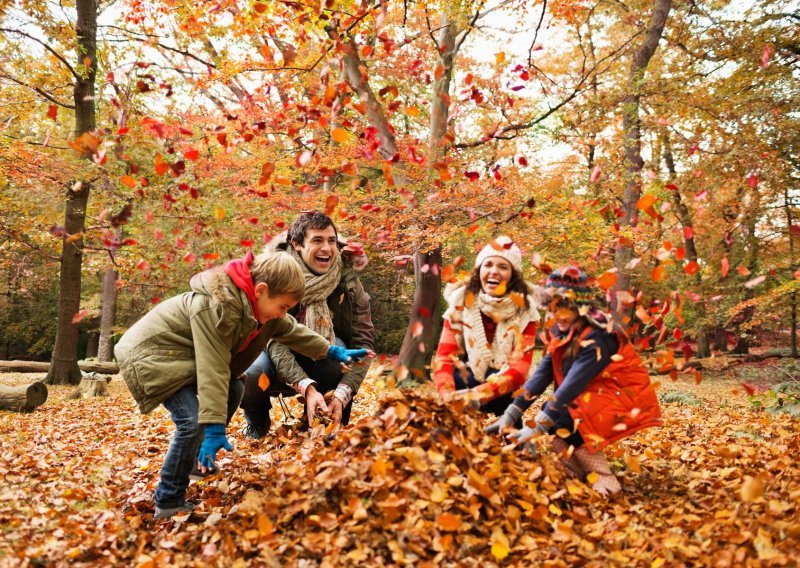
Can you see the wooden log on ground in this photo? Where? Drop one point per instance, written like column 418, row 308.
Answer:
column 106, row 368
column 24, row 398
column 91, row 385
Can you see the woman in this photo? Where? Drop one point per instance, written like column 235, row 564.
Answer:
column 602, row 389
column 489, row 330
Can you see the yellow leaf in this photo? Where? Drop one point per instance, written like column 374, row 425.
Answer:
column 553, row 508
column 219, row 213
column 563, row 433
column 500, row 546
column 591, row 479
column 263, row 382
column 412, row 111
column 340, row 135
column 632, row 463
column 500, row 57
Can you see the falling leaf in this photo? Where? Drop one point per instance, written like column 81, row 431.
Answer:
column 607, row 279
column 659, row 273
column 596, row 172
column 52, row 112
column 755, row 281
column 79, row 315
column 263, row 382
column 765, row 55
column 417, row 328
column 725, row 266
column 191, row 154
column 500, row 58
column 691, row 267
column 219, row 213
column 340, row 135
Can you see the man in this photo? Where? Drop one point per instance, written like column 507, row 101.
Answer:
column 336, row 306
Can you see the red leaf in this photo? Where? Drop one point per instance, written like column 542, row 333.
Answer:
column 688, row 233
column 472, row 176
column 52, row 111
column 247, row 243
column 752, row 180
column 79, row 315
column 596, row 173
column 191, row 154
column 765, row 56
column 691, row 267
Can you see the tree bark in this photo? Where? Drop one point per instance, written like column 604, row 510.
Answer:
column 632, row 138
column 24, row 398
column 64, row 367
column 416, row 351
column 105, row 350
column 787, row 204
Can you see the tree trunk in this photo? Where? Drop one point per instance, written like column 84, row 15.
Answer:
column 92, row 343
column 417, row 347
column 24, row 398
column 64, row 367
column 43, row 367
column 787, row 205
column 632, row 139
column 105, row 351
column 721, row 339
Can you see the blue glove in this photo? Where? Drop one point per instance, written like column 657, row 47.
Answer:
column 213, row 441
column 342, row 355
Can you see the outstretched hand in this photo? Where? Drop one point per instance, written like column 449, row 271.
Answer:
column 214, row 440
column 343, row 355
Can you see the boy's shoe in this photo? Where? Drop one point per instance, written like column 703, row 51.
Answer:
column 255, row 432
column 197, row 475
column 185, row 507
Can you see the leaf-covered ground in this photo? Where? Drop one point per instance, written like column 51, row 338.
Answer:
column 410, row 482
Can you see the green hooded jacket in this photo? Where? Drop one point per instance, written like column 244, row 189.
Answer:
column 200, row 336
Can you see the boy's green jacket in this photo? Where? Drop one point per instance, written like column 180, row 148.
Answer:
column 199, row 336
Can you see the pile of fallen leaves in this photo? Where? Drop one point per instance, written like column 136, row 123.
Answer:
column 411, row 481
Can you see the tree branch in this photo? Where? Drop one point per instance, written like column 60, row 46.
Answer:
column 45, row 45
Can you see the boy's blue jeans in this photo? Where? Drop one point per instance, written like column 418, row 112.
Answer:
column 184, row 409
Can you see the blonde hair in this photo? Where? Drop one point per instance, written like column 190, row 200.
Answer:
column 278, row 270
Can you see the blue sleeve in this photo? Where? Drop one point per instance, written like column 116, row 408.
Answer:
column 537, row 383
column 589, row 362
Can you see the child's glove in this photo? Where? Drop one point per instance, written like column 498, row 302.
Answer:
column 527, row 435
column 342, row 355
column 213, row 441
column 507, row 420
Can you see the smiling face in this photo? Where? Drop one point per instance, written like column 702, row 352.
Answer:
column 272, row 307
column 495, row 273
column 564, row 316
column 318, row 249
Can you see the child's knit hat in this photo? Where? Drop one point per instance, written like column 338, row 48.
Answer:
column 572, row 283
column 503, row 247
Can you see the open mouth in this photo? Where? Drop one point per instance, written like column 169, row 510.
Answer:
column 492, row 282
column 323, row 259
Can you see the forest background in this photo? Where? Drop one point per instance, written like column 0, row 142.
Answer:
column 653, row 142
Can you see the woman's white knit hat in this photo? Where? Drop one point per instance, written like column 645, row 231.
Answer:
column 503, row 247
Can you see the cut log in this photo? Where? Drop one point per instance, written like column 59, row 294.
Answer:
column 24, row 398
column 92, row 384
column 44, row 366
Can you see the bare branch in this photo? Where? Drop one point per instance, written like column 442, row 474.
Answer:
column 45, row 45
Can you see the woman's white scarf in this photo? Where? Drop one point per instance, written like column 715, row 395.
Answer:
column 318, row 288
column 511, row 320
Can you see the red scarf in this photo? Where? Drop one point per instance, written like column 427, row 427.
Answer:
column 239, row 271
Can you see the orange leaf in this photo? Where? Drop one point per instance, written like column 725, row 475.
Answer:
column 752, row 488
column 366, row 51
column 191, row 154
column 448, row 522
column 128, row 181
column 79, row 315
column 645, row 202
column 340, row 135
column 161, row 166
column 330, row 203
column 607, row 280
column 260, row 7
column 725, row 266
column 518, row 299
column 438, row 72
column 263, row 382
column 659, row 273
column 691, row 267
column 500, row 57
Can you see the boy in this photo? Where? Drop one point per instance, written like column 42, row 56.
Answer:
column 334, row 305
column 188, row 351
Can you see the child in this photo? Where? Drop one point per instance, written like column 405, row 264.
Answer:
column 602, row 389
column 188, row 352
column 485, row 350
